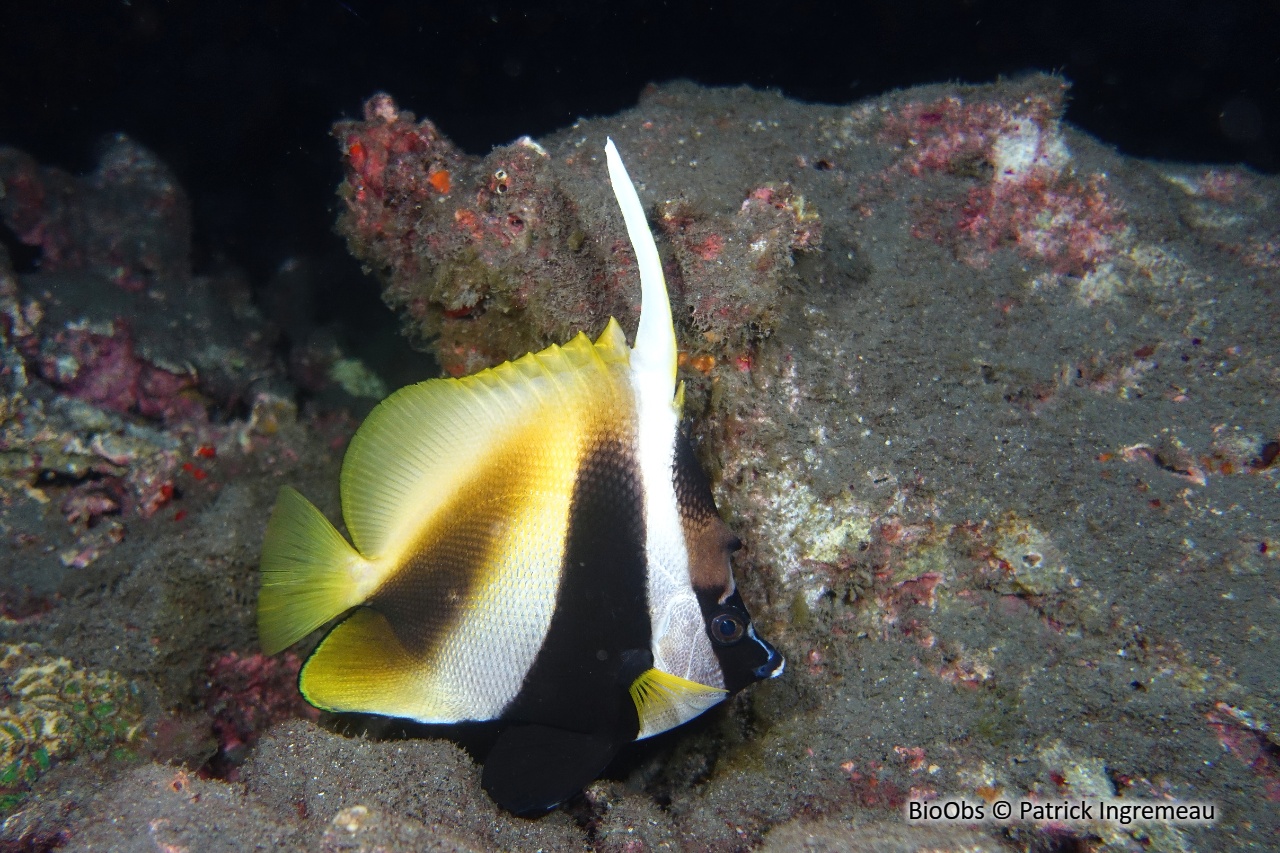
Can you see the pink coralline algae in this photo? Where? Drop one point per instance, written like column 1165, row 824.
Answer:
column 247, row 694
column 392, row 161
column 1249, row 742
column 871, row 785
column 491, row 258
column 103, row 367
column 958, row 136
column 730, row 267
column 1070, row 224
column 1027, row 194
column 483, row 254
column 89, row 501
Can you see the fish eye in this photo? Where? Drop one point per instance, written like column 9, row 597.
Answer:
column 727, row 628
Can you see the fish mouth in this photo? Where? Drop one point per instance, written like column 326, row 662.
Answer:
column 773, row 666
column 778, row 669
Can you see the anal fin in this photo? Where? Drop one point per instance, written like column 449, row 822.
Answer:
column 534, row 768
column 362, row 667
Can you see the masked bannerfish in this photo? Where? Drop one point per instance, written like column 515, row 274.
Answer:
column 535, row 544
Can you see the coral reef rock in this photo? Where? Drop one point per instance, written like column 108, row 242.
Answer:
column 991, row 407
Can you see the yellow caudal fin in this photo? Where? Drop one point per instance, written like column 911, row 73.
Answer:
column 664, row 701
column 310, row 573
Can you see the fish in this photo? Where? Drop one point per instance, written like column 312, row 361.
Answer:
column 535, row 545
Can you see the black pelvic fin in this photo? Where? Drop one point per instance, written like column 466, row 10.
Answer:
column 532, row 769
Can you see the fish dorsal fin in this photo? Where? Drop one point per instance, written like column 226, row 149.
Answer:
column 419, row 444
column 654, row 355
column 663, row 700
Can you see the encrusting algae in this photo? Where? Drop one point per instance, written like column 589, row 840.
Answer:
column 52, row 710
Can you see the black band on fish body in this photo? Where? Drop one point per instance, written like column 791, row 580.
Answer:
column 634, row 663
column 574, row 712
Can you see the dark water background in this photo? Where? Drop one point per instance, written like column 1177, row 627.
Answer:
column 238, row 96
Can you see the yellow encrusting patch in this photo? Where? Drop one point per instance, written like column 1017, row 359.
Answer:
column 664, row 701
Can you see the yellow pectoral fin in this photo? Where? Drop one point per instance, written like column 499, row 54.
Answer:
column 664, row 701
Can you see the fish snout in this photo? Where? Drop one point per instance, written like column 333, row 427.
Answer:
column 773, row 665
column 774, row 662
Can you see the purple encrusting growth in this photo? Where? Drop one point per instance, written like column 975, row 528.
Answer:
column 247, row 694
column 120, row 363
column 991, row 407
column 116, row 317
column 1026, row 192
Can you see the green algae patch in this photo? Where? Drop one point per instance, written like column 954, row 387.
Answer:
column 51, row 710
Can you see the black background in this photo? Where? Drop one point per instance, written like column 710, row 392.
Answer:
column 239, row 97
